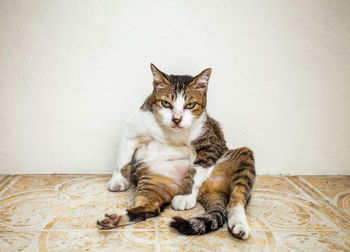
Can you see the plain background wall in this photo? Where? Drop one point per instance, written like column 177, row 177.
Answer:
column 72, row 71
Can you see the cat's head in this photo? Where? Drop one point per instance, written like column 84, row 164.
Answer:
column 179, row 100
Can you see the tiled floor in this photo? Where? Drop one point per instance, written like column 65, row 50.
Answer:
column 59, row 212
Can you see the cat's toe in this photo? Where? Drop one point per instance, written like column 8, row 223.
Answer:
column 110, row 221
column 183, row 202
column 118, row 184
column 240, row 231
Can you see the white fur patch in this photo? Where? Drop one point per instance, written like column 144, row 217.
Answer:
column 202, row 174
column 166, row 116
column 237, row 222
column 184, row 202
column 118, row 183
column 188, row 201
column 178, row 106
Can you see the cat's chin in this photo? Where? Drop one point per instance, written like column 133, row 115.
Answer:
column 176, row 128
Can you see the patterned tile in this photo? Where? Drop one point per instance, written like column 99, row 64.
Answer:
column 329, row 186
column 311, row 241
column 220, row 240
column 336, row 208
column 58, row 213
column 77, row 241
column 334, row 190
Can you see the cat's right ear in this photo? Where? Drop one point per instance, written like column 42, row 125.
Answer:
column 159, row 80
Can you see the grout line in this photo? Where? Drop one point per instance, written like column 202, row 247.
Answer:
column 316, row 189
column 14, row 180
column 4, row 182
column 291, row 194
column 308, row 197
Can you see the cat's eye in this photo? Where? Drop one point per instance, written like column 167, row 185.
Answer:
column 165, row 104
column 190, row 105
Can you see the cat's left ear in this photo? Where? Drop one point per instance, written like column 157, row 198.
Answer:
column 201, row 80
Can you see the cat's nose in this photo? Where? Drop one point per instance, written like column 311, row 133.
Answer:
column 177, row 120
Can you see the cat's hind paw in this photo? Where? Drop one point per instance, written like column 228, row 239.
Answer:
column 240, row 231
column 237, row 223
column 110, row 221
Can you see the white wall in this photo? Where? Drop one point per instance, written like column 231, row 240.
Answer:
column 72, row 71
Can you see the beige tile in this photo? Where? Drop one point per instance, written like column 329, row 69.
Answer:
column 311, row 241
column 77, row 241
column 18, row 241
column 5, row 181
column 277, row 203
column 276, row 184
column 76, row 183
column 337, row 208
column 330, row 186
column 59, row 212
column 3, row 178
column 32, row 210
column 333, row 189
column 72, row 203
column 217, row 241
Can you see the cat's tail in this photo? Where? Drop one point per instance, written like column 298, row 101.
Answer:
column 213, row 219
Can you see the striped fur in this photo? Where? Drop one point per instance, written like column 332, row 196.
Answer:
column 214, row 217
column 229, row 185
column 211, row 145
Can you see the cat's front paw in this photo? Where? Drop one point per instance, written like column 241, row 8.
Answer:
column 184, row 202
column 237, row 223
column 118, row 184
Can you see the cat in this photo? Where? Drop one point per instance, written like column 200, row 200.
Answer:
column 174, row 152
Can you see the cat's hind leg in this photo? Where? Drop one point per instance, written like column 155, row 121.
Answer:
column 240, row 187
column 143, row 210
column 153, row 192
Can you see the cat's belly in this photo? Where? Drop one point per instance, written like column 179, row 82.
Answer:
column 172, row 161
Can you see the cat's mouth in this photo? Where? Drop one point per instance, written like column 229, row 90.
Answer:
column 176, row 127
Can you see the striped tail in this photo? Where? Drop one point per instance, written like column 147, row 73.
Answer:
column 214, row 218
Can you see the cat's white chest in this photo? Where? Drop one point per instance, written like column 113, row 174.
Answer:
column 162, row 151
column 166, row 156
column 165, row 159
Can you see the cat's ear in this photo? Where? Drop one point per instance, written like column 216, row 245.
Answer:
column 201, row 80
column 158, row 78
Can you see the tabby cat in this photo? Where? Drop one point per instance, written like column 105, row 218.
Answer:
column 175, row 153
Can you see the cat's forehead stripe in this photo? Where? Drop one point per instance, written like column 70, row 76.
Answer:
column 180, row 88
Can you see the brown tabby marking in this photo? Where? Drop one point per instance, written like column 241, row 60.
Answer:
column 153, row 192
column 229, row 184
column 233, row 175
column 211, row 145
column 187, row 184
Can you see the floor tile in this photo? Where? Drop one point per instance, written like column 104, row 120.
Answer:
column 337, row 208
column 59, row 213
column 311, row 241
column 330, row 186
column 217, row 241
